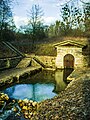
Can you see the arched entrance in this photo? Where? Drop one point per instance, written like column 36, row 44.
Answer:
column 68, row 61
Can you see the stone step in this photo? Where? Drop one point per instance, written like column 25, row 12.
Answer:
column 13, row 75
column 24, row 63
column 39, row 62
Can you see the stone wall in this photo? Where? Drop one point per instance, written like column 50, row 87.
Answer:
column 9, row 62
column 79, row 59
column 47, row 60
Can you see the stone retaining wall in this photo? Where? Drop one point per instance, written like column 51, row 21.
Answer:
column 9, row 62
column 47, row 60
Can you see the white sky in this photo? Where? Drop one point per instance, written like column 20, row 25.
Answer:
column 51, row 9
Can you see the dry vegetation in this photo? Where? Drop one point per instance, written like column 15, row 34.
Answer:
column 48, row 48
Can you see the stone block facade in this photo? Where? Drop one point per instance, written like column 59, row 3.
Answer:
column 76, row 52
column 71, row 49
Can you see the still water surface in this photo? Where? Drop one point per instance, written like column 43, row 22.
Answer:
column 42, row 86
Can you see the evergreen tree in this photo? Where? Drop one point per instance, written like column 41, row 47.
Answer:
column 66, row 18
column 72, row 19
column 86, row 9
column 7, row 25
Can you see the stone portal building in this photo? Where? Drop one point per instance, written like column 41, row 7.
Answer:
column 70, row 55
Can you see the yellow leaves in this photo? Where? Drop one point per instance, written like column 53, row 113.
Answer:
column 28, row 107
column 3, row 96
column 24, row 108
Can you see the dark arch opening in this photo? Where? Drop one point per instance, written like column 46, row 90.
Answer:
column 68, row 61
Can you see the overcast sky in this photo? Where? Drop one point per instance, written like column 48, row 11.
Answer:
column 51, row 9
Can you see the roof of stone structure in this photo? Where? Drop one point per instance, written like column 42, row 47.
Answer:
column 70, row 43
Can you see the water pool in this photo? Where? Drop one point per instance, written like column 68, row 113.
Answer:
column 42, row 86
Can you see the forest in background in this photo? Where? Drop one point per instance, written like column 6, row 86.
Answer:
column 74, row 22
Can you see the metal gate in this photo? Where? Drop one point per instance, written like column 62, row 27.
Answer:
column 68, row 61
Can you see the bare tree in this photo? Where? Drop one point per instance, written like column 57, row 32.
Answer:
column 35, row 23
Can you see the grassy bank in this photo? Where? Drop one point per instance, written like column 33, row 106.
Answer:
column 44, row 47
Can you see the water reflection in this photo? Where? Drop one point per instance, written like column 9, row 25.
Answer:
column 42, row 86
column 36, row 92
column 60, row 84
column 61, row 79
